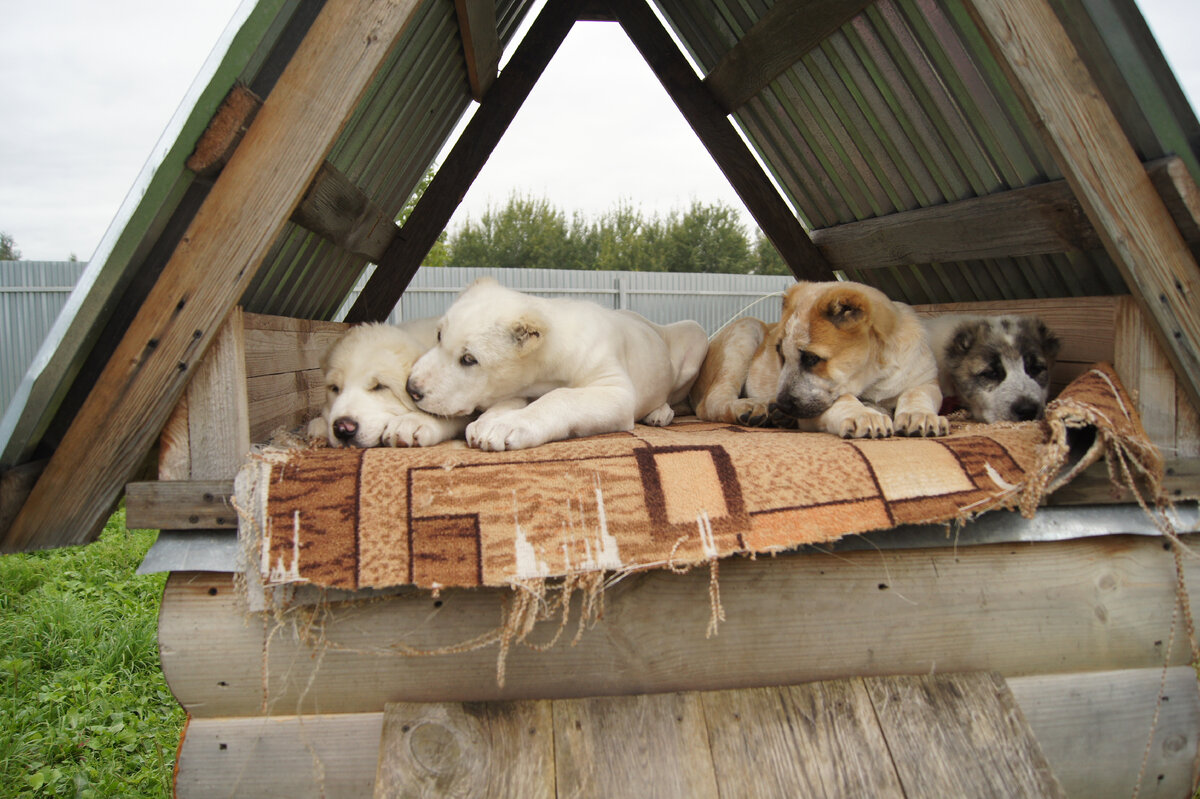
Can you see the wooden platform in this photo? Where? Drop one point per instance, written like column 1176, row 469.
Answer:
column 922, row 736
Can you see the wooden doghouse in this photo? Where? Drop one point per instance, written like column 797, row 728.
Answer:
column 997, row 154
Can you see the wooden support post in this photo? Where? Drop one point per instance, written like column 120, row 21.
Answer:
column 209, row 270
column 1103, row 170
column 721, row 139
column 433, row 211
column 776, row 42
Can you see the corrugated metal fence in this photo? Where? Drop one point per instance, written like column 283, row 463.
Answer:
column 710, row 299
column 31, row 295
column 33, row 292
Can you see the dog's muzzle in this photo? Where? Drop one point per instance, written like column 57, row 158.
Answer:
column 414, row 391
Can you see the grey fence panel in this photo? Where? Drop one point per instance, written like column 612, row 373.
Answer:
column 32, row 293
column 710, row 299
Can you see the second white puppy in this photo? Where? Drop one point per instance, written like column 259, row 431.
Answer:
column 366, row 401
column 548, row 369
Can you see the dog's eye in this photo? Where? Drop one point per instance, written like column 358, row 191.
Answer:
column 1033, row 366
column 467, row 359
column 439, row 337
column 379, row 387
column 809, row 359
column 333, row 389
column 994, row 372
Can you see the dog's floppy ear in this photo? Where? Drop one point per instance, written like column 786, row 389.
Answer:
column 789, row 296
column 527, row 332
column 846, row 307
column 1050, row 342
column 965, row 337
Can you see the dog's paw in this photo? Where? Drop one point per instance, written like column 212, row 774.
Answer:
column 866, row 423
column 750, row 412
column 921, row 424
column 777, row 417
column 413, row 430
column 501, row 433
column 318, row 428
column 660, row 417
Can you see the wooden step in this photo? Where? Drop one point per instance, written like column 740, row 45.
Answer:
column 906, row 736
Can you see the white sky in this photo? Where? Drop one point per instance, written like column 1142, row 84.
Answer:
column 87, row 87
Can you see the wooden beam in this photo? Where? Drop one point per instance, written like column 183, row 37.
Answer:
column 777, row 41
column 336, row 209
column 211, row 267
column 721, row 139
column 180, row 505
column 1035, row 220
column 480, row 137
column 1103, row 170
column 481, row 43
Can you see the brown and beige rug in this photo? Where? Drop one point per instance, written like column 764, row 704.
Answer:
column 691, row 493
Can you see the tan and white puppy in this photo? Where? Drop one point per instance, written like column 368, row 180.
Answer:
column 366, row 400
column 998, row 367
column 547, row 369
column 843, row 359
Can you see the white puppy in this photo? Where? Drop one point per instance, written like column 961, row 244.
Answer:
column 548, row 369
column 998, row 367
column 366, row 402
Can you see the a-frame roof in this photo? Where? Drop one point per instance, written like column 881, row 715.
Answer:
column 942, row 151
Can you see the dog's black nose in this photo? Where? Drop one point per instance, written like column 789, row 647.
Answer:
column 1025, row 409
column 413, row 391
column 345, row 428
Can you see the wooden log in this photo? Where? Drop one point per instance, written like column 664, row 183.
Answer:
column 209, row 270
column 472, row 749
column 816, row 739
column 1090, row 604
column 1103, row 170
column 1092, row 727
column 658, row 743
column 481, row 43
column 960, row 735
column 778, row 40
column 721, row 139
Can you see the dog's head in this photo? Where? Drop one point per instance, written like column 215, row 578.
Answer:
column 486, row 341
column 365, row 374
column 999, row 367
column 831, row 344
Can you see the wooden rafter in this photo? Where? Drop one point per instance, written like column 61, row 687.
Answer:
column 480, row 137
column 341, row 212
column 1103, row 170
column 481, row 43
column 1036, row 220
column 777, row 41
column 721, row 139
column 225, row 244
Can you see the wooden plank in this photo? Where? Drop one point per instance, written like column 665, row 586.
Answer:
column 481, row 43
column 721, row 139
column 1036, row 220
column 284, row 757
column 818, row 739
column 463, row 163
column 1146, row 373
column 960, row 735
column 174, row 457
column 873, row 612
column 180, row 505
column 279, row 345
column 470, row 749
column 1094, row 728
column 1094, row 486
column 1104, row 172
column 285, row 400
column 209, row 270
column 651, row 745
column 779, row 39
column 218, row 416
column 339, row 211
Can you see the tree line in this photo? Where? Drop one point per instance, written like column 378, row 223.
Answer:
column 530, row 232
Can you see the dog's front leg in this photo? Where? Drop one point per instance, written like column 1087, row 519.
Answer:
column 558, row 414
column 917, row 412
column 421, row 429
column 848, row 417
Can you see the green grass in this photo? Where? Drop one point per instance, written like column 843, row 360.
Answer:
column 84, row 709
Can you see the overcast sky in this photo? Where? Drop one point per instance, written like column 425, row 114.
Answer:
column 87, row 87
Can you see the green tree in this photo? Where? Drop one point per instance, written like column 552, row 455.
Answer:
column 706, row 238
column 767, row 260
column 438, row 254
column 525, row 233
column 8, row 248
column 624, row 240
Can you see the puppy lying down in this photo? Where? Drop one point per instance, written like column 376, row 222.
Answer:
column 998, row 367
column 843, row 359
column 366, row 401
column 548, row 369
